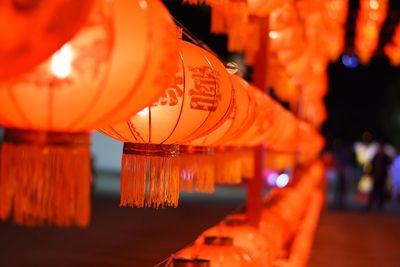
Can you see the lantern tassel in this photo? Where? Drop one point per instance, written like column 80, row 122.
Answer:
column 228, row 166
column 150, row 176
column 197, row 169
column 45, row 178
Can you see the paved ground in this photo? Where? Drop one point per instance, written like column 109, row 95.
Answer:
column 143, row 237
column 117, row 236
column 357, row 239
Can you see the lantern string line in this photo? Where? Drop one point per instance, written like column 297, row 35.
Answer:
column 167, row 262
column 193, row 37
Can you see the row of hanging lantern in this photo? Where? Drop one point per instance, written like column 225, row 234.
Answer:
column 392, row 49
column 336, row 17
column 285, row 226
column 371, row 16
column 193, row 136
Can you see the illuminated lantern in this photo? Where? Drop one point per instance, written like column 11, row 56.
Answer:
column 50, row 24
column 273, row 228
column 279, row 160
column 182, row 262
column 315, row 112
column 310, row 143
column 197, row 102
column 337, row 43
column 264, row 8
column 206, row 160
column 230, row 18
column 336, row 11
column 220, row 251
column 285, row 88
column 253, row 40
column 233, row 138
column 392, row 49
column 244, row 236
column 282, row 136
column 256, row 129
column 45, row 162
column 285, row 32
column 393, row 53
column 369, row 22
column 285, row 39
column 264, row 107
column 300, row 68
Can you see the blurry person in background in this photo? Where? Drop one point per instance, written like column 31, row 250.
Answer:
column 379, row 171
column 341, row 159
column 395, row 178
column 330, row 173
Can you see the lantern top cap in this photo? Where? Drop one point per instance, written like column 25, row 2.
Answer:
column 218, row 241
column 184, row 262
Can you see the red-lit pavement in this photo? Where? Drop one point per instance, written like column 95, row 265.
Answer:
column 357, row 239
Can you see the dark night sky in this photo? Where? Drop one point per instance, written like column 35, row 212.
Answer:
column 359, row 99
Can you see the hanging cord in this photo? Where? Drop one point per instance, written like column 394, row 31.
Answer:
column 188, row 34
column 231, row 66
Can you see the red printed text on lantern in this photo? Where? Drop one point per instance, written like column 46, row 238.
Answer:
column 205, row 95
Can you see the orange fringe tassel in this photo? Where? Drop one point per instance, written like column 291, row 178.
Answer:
column 247, row 159
column 150, row 176
column 252, row 44
column 219, row 15
column 197, row 169
column 228, row 166
column 237, row 25
column 231, row 18
column 45, row 178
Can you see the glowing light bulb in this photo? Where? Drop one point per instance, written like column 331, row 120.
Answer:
column 282, row 180
column 273, row 34
column 61, row 62
column 374, row 4
column 350, row 61
column 144, row 112
column 143, row 4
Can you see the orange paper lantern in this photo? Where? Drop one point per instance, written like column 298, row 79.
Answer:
column 264, row 8
column 220, row 252
column 244, row 236
column 204, row 166
column 45, row 168
column 254, row 134
column 50, row 24
column 197, row 103
column 182, row 262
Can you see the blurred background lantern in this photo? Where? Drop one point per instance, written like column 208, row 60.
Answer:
column 311, row 142
column 45, row 165
column 264, row 8
column 53, row 21
column 220, row 251
column 285, row 88
column 337, row 12
column 245, row 236
column 182, row 262
column 392, row 49
column 264, row 109
column 370, row 19
column 282, row 136
column 198, row 102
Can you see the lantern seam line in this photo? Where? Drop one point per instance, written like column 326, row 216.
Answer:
column 183, row 99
